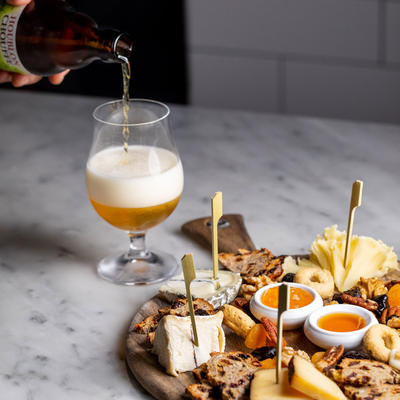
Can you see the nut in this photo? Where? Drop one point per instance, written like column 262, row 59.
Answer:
column 372, row 287
column 359, row 301
column 330, row 358
column 272, row 331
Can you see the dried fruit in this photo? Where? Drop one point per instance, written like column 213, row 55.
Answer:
column 337, row 297
column 382, row 301
column 289, row 277
column 354, row 292
column 269, row 363
column 394, row 295
column 264, row 352
column 257, row 337
column 357, row 355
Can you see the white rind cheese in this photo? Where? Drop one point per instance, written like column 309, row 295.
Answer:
column 174, row 345
column 204, row 287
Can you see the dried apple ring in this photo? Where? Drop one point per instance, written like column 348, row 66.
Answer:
column 318, row 279
column 380, row 340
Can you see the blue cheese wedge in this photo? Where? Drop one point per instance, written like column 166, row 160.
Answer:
column 174, row 346
column 204, row 287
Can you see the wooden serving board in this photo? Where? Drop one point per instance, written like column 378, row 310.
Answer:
column 153, row 377
column 232, row 235
column 162, row 386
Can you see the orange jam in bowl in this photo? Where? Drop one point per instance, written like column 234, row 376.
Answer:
column 298, row 297
column 342, row 322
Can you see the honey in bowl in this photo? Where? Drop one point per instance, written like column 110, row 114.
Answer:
column 298, row 297
column 342, row 322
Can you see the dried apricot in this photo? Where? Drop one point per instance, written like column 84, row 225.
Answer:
column 394, row 295
column 257, row 337
column 269, row 363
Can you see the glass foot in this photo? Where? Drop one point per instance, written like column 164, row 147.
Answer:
column 152, row 268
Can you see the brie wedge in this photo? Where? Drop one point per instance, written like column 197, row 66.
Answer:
column 174, row 346
column 204, row 287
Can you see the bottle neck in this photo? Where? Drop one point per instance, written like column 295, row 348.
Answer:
column 112, row 46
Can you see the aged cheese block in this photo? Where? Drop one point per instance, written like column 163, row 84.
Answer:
column 263, row 386
column 305, row 378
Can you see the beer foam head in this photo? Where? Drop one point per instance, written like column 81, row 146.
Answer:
column 142, row 177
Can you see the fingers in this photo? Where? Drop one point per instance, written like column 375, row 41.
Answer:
column 5, row 77
column 18, row 2
column 58, row 78
column 19, row 80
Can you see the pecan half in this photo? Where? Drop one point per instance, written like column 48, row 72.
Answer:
column 358, row 301
column 384, row 316
column 330, row 358
column 272, row 331
column 242, row 303
column 275, row 272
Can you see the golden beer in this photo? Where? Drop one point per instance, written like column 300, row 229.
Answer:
column 135, row 219
column 134, row 190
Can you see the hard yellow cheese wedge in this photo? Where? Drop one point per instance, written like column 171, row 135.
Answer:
column 368, row 257
column 263, row 386
column 305, row 378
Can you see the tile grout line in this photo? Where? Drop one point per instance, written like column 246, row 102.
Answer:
column 294, row 57
column 382, row 27
column 281, row 85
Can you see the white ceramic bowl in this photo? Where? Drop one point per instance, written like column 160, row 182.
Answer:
column 293, row 318
column 326, row 339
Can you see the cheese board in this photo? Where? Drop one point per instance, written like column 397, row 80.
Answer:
column 144, row 365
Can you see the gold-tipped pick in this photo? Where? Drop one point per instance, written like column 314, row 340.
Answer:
column 283, row 305
column 216, row 213
column 356, row 196
column 189, row 275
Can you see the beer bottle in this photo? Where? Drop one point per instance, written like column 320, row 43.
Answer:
column 47, row 36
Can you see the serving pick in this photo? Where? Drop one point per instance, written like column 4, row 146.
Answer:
column 189, row 275
column 216, row 214
column 356, row 196
column 283, row 305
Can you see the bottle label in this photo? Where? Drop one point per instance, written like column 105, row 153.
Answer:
column 9, row 60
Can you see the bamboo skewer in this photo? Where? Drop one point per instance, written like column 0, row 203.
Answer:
column 356, row 196
column 189, row 275
column 216, row 214
column 283, row 305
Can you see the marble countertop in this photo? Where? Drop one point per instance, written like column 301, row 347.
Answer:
column 63, row 328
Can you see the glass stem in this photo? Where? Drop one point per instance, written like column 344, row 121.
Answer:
column 137, row 247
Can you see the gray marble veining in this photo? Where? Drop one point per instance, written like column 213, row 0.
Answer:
column 63, row 328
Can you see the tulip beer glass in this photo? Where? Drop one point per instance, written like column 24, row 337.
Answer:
column 134, row 179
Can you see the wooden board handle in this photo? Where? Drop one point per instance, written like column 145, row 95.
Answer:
column 232, row 233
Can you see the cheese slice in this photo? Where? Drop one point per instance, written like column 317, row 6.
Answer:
column 368, row 257
column 305, row 378
column 263, row 386
column 174, row 346
column 204, row 287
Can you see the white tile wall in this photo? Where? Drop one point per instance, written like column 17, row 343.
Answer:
column 334, row 58
column 216, row 78
column 342, row 28
column 393, row 32
column 345, row 92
